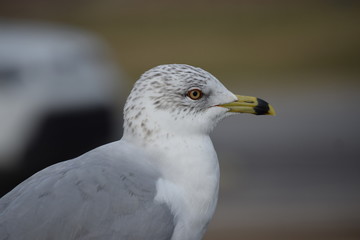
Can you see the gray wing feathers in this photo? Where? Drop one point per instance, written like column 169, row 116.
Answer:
column 86, row 198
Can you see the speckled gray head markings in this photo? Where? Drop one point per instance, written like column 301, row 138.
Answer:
column 165, row 88
column 168, row 85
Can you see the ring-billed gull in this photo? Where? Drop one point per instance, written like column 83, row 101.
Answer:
column 160, row 181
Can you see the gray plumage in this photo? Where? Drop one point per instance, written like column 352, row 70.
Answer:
column 91, row 197
column 159, row 182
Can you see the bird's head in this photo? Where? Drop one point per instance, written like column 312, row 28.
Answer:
column 181, row 99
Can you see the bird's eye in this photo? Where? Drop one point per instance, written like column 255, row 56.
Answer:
column 194, row 94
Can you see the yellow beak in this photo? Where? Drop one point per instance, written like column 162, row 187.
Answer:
column 253, row 105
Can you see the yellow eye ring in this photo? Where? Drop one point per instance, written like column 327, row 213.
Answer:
column 194, row 94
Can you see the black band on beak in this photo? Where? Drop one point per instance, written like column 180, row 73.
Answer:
column 262, row 108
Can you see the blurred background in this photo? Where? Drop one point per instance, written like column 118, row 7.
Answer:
column 66, row 68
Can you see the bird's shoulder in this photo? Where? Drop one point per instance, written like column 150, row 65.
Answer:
column 101, row 170
column 105, row 187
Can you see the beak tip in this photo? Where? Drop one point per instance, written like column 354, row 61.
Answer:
column 271, row 111
column 253, row 105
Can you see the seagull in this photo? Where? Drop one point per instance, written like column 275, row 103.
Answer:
column 160, row 181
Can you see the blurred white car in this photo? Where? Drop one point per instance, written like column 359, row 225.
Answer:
column 58, row 97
